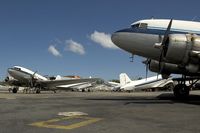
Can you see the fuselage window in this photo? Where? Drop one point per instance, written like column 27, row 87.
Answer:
column 143, row 25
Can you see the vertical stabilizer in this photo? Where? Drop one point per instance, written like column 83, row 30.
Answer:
column 124, row 79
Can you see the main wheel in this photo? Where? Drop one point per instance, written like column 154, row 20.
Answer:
column 37, row 91
column 181, row 91
column 15, row 90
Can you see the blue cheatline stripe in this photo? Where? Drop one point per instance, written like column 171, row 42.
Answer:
column 160, row 31
column 174, row 29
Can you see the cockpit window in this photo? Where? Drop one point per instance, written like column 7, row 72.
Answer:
column 143, row 25
column 16, row 68
column 135, row 25
column 140, row 25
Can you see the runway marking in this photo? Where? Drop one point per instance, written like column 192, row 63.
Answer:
column 50, row 123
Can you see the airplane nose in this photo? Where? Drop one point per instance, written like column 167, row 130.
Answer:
column 10, row 71
column 114, row 38
column 124, row 39
column 117, row 38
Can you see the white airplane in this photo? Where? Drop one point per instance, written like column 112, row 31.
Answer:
column 23, row 77
column 170, row 46
column 126, row 84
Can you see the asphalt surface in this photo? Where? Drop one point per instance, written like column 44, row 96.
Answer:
column 108, row 112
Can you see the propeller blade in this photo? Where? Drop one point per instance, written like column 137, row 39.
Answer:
column 32, row 81
column 147, row 62
column 164, row 44
column 167, row 32
column 146, row 71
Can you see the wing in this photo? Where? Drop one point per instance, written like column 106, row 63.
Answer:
column 13, row 83
column 3, row 83
column 65, row 82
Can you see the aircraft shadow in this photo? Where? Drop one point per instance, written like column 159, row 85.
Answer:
column 192, row 99
column 165, row 98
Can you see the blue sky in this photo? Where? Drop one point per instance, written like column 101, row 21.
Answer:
column 66, row 36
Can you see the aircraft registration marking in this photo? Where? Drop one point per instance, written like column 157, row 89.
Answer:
column 50, row 123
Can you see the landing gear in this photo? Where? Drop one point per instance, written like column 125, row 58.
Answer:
column 37, row 91
column 14, row 90
column 181, row 91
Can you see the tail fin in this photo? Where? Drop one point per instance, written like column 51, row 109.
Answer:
column 124, row 79
column 58, row 77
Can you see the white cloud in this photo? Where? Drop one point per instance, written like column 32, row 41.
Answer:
column 74, row 47
column 52, row 49
column 103, row 39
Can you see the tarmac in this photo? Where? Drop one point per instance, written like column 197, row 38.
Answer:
column 99, row 112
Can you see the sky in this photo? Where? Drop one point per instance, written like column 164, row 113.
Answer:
column 72, row 37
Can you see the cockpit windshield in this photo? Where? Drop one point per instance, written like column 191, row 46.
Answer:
column 135, row 26
column 140, row 26
column 16, row 68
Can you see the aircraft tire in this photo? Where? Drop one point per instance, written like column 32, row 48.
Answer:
column 181, row 91
column 37, row 91
column 14, row 90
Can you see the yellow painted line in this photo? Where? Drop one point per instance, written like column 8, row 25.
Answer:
column 48, row 123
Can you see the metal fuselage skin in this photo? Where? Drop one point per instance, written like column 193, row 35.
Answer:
column 23, row 74
column 140, row 40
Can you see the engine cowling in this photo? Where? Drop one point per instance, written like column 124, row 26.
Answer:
column 180, row 47
column 7, row 79
column 167, row 68
column 177, row 49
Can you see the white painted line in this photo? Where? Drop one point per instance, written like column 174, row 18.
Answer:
column 68, row 114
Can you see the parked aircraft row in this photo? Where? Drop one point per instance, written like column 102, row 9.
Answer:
column 23, row 77
column 170, row 46
column 32, row 81
column 126, row 84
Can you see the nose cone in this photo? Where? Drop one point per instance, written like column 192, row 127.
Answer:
column 121, row 38
column 117, row 39
column 11, row 72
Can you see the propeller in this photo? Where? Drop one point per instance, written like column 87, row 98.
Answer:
column 7, row 79
column 164, row 44
column 32, row 81
column 147, row 62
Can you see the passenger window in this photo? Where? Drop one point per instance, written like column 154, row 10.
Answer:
column 143, row 25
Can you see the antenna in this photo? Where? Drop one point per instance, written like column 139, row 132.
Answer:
column 152, row 17
column 132, row 57
column 194, row 18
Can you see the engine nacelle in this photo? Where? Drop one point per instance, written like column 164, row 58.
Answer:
column 177, row 51
column 7, row 79
column 166, row 68
column 180, row 47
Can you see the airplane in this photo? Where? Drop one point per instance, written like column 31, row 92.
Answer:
column 126, row 84
column 23, row 77
column 170, row 46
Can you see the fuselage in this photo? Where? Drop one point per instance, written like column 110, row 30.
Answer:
column 150, row 82
column 141, row 37
column 24, row 74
